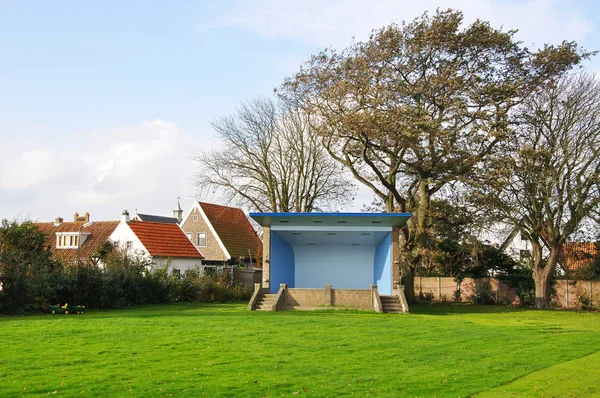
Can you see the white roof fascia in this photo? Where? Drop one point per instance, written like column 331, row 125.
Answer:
column 195, row 205
column 214, row 232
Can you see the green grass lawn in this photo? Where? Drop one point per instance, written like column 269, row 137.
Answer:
column 225, row 350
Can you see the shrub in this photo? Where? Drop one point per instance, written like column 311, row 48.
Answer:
column 457, row 295
column 426, row 296
column 213, row 288
column 483, row 294
column 524, row 286
column 586, row 300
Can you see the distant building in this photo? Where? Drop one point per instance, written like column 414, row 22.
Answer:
column 162, row 243
column 78, row 241
column 176, row 219
column 508, row 240
column 575, row 255
column 223, row 234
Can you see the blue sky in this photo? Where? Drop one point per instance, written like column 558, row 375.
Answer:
column 103, row 103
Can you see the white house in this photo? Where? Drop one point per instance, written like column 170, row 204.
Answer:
column 508, row 239
column 160, row 242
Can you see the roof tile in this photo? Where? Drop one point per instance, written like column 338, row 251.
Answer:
column 164, row 240
column 99, row 232
column 233, row 228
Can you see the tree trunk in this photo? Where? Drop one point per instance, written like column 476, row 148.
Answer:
column 408, row 280
column 542, row 288
column 423, row 215
column 542, row 274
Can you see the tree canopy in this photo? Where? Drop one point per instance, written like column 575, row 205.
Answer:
column 549, row 183
column 421, row 106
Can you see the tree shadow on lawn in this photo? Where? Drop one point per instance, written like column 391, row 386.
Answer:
column 452, row 309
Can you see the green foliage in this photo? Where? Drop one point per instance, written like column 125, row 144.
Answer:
column 31, row 280
column 522, row 282
column 586, row 300
column 27, row 272
column 483, row 294
column 213, row 288
column 457, row 295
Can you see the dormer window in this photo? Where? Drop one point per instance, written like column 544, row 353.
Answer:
column 70, row 240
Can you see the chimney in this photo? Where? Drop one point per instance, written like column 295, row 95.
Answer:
column 125, row 216
column 85, row 218
column 178, row 213
column 58, row 221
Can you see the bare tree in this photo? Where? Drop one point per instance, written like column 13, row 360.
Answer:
column 272, row 160
column 547, row 183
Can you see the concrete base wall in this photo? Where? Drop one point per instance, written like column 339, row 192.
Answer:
column 299, row 299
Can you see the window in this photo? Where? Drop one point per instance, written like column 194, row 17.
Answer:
column 201, row 239
column 67, row 240
column 189, row 235
column 195, row 217
column 524, row 255
column 177, row 273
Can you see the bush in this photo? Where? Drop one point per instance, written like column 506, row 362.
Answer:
column 483, row 294
column 457, row 295
column 586, row 300
column 426, row 296
column 27, row 271
column 31, row 281
column 524, row 286
column 214, row 288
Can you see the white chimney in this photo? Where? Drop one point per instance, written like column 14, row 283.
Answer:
column 125, row 216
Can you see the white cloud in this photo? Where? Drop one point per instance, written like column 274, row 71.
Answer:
column 145, row 165
column 335, row 22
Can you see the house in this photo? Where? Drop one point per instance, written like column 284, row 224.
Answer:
column 176, row 219
column 162, row 243
column 575, row 255
column 78, row 241
column 223, row 234
column 312, row 260
column 508, row 240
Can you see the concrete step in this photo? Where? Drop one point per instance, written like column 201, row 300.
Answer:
column 264, row 302
column 391, row 304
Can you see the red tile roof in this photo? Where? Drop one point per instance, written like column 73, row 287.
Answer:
column 233, row 228
column 164, row 239
column 98, row 231
column 574, row 255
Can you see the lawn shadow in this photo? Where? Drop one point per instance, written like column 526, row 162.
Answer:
column 452, row 309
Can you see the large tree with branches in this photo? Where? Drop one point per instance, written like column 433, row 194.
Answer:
column 418, row 107
column 551, row 183
column 272, row 160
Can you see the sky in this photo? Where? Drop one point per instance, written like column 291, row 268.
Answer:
column 104, row 104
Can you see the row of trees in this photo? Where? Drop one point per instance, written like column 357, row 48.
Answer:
column 30, row 280
column 432, row 116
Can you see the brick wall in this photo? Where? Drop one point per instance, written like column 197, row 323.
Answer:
column 212, row 251
column 315, row 298
column 442, row 288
